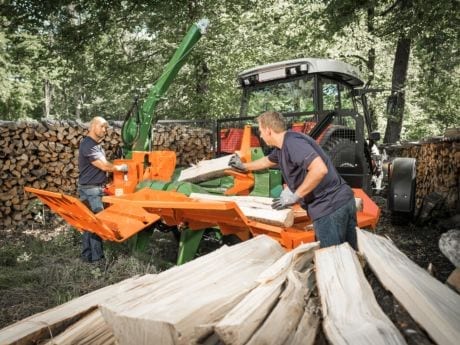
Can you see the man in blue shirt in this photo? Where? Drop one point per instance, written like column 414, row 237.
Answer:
column 93, row 167
column 311, row 179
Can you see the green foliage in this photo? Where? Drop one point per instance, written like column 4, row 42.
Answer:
column 96, row 56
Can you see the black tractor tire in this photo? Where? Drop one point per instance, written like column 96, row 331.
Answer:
column 402, row 182
column 342, row 153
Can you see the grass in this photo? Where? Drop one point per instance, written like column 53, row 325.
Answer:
column 37, row 274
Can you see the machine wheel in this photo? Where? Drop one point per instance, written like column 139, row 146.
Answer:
column 402, row 189
column 343, row 155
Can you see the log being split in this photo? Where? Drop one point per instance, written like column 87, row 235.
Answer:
column 205, row 170
column 175, row 308
column 432, row 304
column 350, row 310
column 254, row 207
column 239, row 325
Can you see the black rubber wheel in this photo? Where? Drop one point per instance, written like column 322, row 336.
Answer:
column 343, row 154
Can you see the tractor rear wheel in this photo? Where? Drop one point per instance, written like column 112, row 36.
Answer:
column 344, row 156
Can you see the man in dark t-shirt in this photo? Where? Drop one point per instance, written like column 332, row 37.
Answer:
column 311, row 179
column 93, row 166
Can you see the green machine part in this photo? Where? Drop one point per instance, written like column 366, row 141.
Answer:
column 136, row 129
column 268, row 182
column 189, row 239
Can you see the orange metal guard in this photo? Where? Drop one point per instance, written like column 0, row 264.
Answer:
column 131, row 213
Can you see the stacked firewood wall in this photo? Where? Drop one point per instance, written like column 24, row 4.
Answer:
column 438, row 168
column 191, row 144
column 44, row 155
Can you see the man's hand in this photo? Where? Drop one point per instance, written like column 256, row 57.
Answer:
column 236, row 163
column 121, row 167
column 286, row 199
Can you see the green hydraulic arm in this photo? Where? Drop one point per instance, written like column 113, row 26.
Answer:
column 136, row 129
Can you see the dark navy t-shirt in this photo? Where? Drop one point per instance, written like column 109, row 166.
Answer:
column 294, row 157
column 90, row 151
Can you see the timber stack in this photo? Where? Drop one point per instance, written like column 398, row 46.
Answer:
column 44, row 155
column 438, row 167
column 256, row 293
column 191, row 144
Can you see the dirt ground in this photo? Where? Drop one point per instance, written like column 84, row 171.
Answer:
column 40, row 266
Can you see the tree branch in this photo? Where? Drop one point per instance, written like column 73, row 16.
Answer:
column 389, row 9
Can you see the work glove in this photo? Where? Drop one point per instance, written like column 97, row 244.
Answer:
column 286, row 199
column 236, row 163
column 121, row 167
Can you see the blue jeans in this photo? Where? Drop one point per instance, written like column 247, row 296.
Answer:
column 91, row 243
column 338, row 227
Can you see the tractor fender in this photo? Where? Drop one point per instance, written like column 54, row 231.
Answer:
column 402, row 184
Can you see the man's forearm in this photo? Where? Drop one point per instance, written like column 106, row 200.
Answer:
column 103, row 165
column 262, row 163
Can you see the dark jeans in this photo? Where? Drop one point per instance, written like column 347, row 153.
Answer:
column 91, row 243
column 338, row 227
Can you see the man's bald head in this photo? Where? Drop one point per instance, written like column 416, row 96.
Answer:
column 98, row 128
column 98, row 120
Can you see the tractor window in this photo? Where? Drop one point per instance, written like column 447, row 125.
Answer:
column 286, row 97
column 346, row 99
column 330, row 95
column 336, row 95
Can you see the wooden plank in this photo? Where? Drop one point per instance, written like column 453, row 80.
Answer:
column 307, row 329
column 205, row 170
column 172, row 309
column 432, row 304
column 92, row 329
column 285, row 316
column 43, row 325
column 242, row 321
column 255, row 208
column 350, row 311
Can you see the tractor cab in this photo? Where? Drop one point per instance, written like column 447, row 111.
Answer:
column 312, row 91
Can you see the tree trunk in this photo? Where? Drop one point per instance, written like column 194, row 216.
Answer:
column 47, row 93
column 396, row 101
column 371, row 64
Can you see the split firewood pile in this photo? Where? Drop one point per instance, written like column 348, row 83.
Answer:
column 44, row 155
column 438, row 167
column 255, row 293
column 191, row 144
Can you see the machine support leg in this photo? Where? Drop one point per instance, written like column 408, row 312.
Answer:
column 139, row 242
column 189, row 242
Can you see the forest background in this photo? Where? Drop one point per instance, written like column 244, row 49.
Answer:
column 70, row 59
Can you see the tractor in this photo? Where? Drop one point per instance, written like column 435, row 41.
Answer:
column 323, row 98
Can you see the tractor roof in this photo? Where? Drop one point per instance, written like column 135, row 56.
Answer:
column 283, row 69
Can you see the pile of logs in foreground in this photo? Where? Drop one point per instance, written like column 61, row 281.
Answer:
column 44, row 155
column 438, row 168
column 255, row 293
